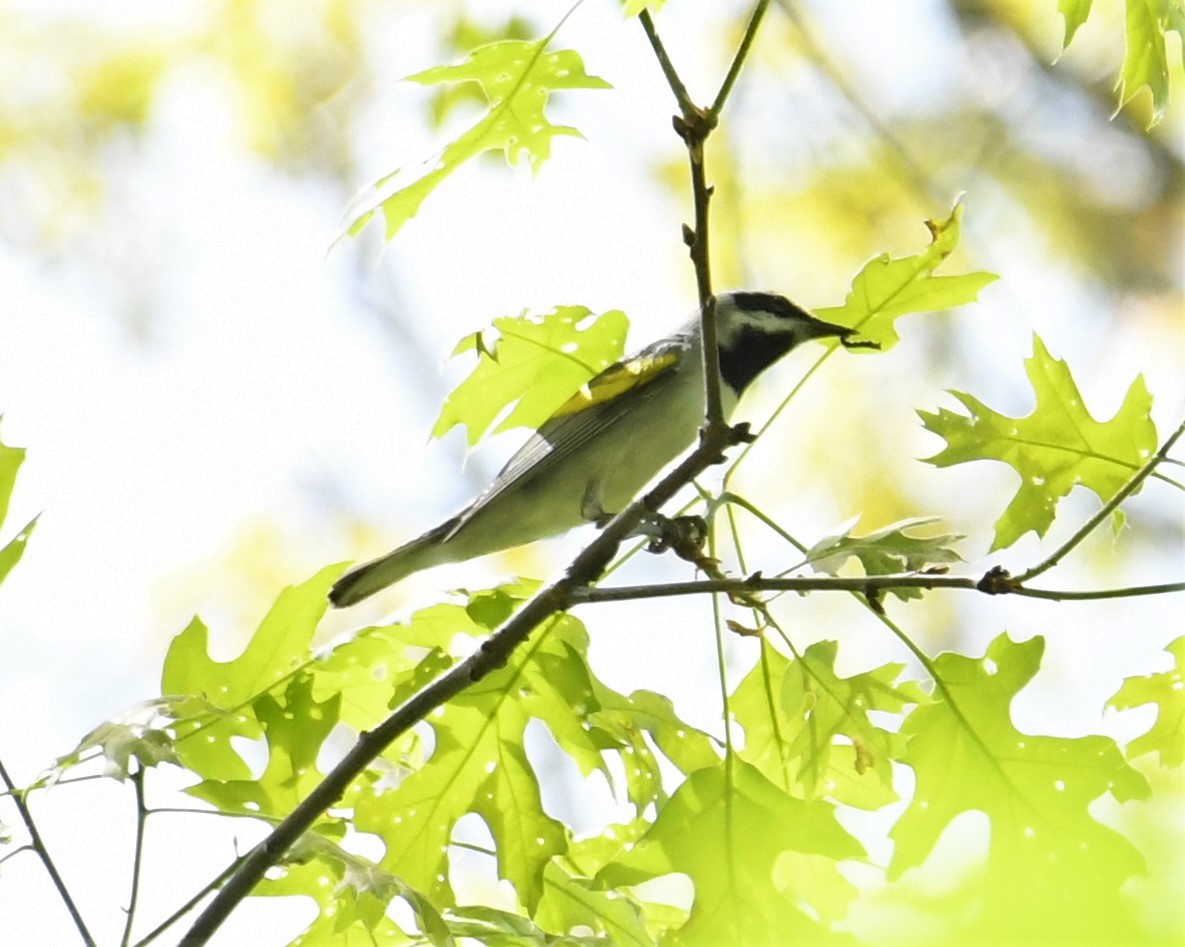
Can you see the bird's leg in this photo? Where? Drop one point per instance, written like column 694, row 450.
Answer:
column 591, row 509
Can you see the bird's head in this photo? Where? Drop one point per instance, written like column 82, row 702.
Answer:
column 754, row 330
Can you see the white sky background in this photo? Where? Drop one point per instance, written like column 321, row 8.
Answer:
column 267, row 392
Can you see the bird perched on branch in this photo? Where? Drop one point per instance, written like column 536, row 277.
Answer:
column 603, row 445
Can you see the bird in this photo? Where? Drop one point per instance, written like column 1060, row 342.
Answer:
column 605, row 443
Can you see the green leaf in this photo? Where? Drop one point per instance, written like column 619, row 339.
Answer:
column 295, row 727
column 11, row 459
column 1145, row 59
column 1074, row 12
column 1053, row 872
column 352, row 894
column 464, row 35
column 143, row 732
column 11, row 554
column 517, row 78
column 1054, row 449
column 1167, row 691
column 496, row 928
column 278, row 648
column 888, row 288
column 478, row 763
column 532, row 367
column 886, row 551
column 570, row 901
column 809, row 732
column 121, row 741
column 731, row 830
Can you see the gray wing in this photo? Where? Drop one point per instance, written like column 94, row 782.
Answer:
column 563, row 434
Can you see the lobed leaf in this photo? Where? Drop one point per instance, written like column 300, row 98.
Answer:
column 530, row 369
column 1074, row 12
column 888, row 288
column 733, row 833
column 1145, row 57
column 517, row 78
column 886, row 551
column 478, row 763
column 11, row 459
column 809, row 732
column 1057, row 447
column 1166, row 691
column 278, row 648
column 1054, row 873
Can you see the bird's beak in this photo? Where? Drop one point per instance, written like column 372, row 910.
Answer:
column 818, row 329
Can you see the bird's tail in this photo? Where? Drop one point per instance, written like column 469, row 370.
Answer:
column 365, row 580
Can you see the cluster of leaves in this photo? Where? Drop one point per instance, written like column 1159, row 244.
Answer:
column 755, row 829
column 751, row 822
column 1145, row 61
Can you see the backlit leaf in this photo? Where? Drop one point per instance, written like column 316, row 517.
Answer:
column 808, row 730
column 888, row 288
column 886, row 551
column 1167, row 691
column 731, row 831
column 517, row 78
column 1054, row 872
column 530, row 368
column 1057, row 447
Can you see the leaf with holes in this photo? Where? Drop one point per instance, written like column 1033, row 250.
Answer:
column 808, row 729
column 741, row 840
column 1054, row 873
column 1057, row 447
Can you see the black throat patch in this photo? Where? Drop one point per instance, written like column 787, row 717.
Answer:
column 751, row 352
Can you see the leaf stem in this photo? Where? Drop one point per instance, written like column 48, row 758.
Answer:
column 37, row 843
column 1132, row 485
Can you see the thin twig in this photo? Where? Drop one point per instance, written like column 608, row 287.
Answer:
column 682, row 96
column 1105, row 510
column 38, row 844
column 191, row 903
column 138, row 855
column 862, row 584
column 734, row 70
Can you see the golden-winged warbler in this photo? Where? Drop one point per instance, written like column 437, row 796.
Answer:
column 606, row 442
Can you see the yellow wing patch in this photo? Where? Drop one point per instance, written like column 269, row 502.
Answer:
column 615, row 381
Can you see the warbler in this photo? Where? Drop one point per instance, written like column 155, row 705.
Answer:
column 603, row 445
